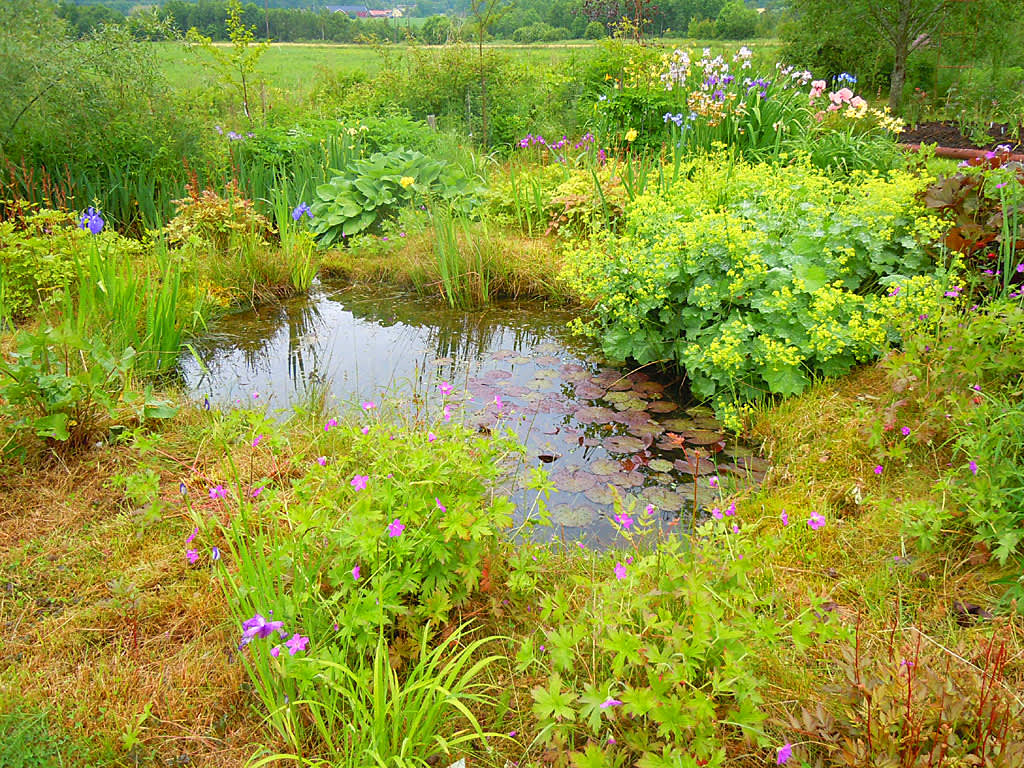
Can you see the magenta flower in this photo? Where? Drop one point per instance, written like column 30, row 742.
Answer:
column 365, row 430
column 735, row 528
column 192, row 535
column 649, row 509
column 620, row 571
column 713, row 481
column 431, row 437
column 447, row 413
column 731, row 509
column 192, row 556
column 905, row 431
column 784, row 517
column 356, row 573
column 785, row 752
column 624, row 520
column 322, row 461
column 445, row 387
column 257, row 491
column 369, row 405
column 296, row 643
column 395, row 528
column 610, row 702
column 330, row 423
column 440, row 506
column 258, row 626
column 816, row 521
column 275, row 651
column 359, row 482
column 497, row 401
column 974, row 467
column 256, row 440
column 717, row 513
column 878, row 469
column 218, row 492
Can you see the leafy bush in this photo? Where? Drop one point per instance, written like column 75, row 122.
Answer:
column 372, row 190
column 37, row 257
column 960, row 383
column 215, row 219
column 655, row 661
column 754, row 278
column 68, row 391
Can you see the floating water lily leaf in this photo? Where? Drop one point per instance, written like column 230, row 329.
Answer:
column 573, row 515
column 661, row 406
column 519, row 360
column 648, row 431
column 618, row 397
column 605, row 467
column 661, row 478
column 573, row 480
column 626, row 479
column 547, row 360
column 588, row 391
column 594, row 414
column 702, row 436
column 620, row 385
column 703, row 422
column 600, row 494
column 660, row 465
column 663, row 498
column 623, row 444
column 631, row 404
column 494, row 374
column 693, row 465
column 547, row 348
column 701, row 410
column 677, row 425
column 631, row 418
column 514, row 390
column 605, row 378
column 738, row 451
column 649, row 388
column 502, row 354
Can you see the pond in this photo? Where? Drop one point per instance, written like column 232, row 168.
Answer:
column 599, row 430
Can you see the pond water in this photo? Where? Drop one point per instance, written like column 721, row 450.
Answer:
column 597, row 429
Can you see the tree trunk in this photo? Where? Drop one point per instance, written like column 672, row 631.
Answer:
column 899, row 77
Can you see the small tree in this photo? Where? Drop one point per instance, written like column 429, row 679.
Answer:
column 484, row 14
column 236, row 65
column 736, row 21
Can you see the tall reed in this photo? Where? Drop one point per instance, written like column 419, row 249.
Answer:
column 462, row 263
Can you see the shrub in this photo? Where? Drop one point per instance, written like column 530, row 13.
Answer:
column 754, row 278
column 736, row 21
column 595, row 31
column 37, row 257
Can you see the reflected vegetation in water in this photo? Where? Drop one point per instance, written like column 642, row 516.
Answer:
column 599, row 431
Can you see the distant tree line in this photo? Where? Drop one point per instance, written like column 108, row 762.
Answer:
column 527, row 21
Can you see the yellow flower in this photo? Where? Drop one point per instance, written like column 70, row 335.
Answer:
column 631, row 134
column 407, row 181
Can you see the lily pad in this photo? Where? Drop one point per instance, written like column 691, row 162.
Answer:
column 594, row 414
column 738, row 451
column 573, row 515
column 677, row 425
column 573, row 480
column 661, row 406
column 626, row 479
column 692, row 465
column 547, row 348
column 631, row 418
column 600, row 494
column 664, row 499
column 702, row 436
column 631, row 404
column 660, row 465
column 503, row 354
column 649, row 388
column 547, row 360
column 494, row 375
column 514, row 390
column 519, row 360
column 623, row 444
column 588, row 391
column 605, row 467
column 618, row 397
column 620, row 385
column 700, row 410
column 661, row 478
column 648, row 431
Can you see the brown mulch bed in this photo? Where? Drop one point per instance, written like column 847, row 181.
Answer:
column 948, row 134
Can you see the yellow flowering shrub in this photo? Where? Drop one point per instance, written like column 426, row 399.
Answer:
column 756, row 277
